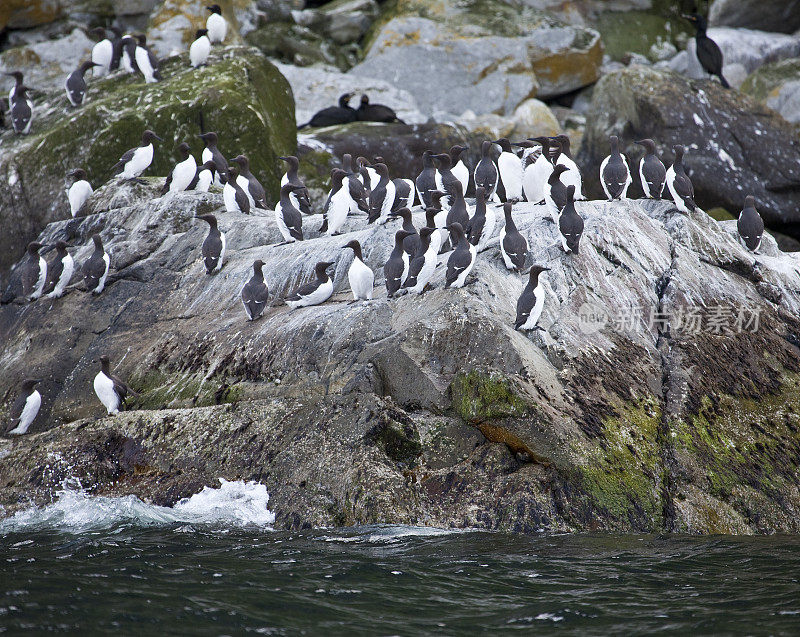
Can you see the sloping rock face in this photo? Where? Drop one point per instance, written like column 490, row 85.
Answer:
column 735, row 146
column 240, row 95
column 428, row 409
column 487, row 57
column 782, row 16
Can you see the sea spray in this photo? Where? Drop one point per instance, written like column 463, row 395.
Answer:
column 234, row 503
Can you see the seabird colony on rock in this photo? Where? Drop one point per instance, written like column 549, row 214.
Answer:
column 539, row 170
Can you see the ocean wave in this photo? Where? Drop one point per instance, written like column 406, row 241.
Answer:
column 234, row 503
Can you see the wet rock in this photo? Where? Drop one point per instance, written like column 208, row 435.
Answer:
column 782, row 16
column 255, row 117
column 778, row 86
column 734, row 146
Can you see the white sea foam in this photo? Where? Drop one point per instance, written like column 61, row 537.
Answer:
column 234, row 503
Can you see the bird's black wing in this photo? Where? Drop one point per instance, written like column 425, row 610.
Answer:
column 458, row 262
column 304, row 290
column 15, row 413
column 211, row 250
column 524, row 305
column 54, row 271
column 126, row 157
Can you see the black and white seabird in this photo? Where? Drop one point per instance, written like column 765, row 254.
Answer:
column 486, row 172
column 59, row 272
column 367, row 112
column 25, row 408
column 110, row 389
column 204, row 176
column 458, row 207
column 446, row 181
column 423, row 266
column 255, row 293
column 536, row 173
column 212, row 152
column 12, row 93
column 679, row 184
column 651, row 170
column 404, row 193
column 338, row 204
column 200, row 48
column 116, row 48
column 555, row 193
column 128, row 59
column 102, row 52
column 708, row 52
column 436, row 215
column 369, row 175
column 615, row 175
column 750, row 225
column 396, row 268
column 531, row 301
column 21, row 111
column 287, row 217
column 136, row 160
column 359, row 196
column 95, row 268
column 480, row 227
column 75, row 86
column 213, row 249
column 341, row 114
column 360, row 275
column 570, row 224
column 34, row 272
column 461, row 260
column 252, row 187
column 426, row 180
column 314, row 292
column 300, row 198
column 513, row 246
column 236, row 199
column 216, row 25
column 79, row 191
column 381, row 197
column 184, row 172
column 458, row 167
column 564, row 157
column 509, row 165
column 411, row 244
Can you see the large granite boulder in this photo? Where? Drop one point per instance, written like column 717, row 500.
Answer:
column 778, row 86
column 782, row 16
column 240, row 95
column 735, row 146
column 479, row 56
column 659, row 396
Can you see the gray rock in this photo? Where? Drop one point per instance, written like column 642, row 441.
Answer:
column 734, row 146
column 778, row 86
column 782, row 16
column 419, row 410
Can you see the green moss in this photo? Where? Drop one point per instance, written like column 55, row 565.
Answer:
column 621, row 477
column 398, row 440
column 243, row 97
column 636, row 31
column 720, row 214
column 159, row 390
column 478, row 396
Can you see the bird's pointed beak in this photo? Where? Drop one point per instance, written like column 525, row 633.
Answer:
column 157, row 137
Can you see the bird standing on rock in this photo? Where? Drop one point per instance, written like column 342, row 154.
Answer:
column 555, row 193
column 110, row 389
column 216, row 25
column 204, row 176
column 75, row 85
column 411, row 244
column 458, row 167
column 59, row 272
column 255, row 293
column 423, row 266
column 651, row 170
column 249, row 184
column 480, row 226
column 12, row 93
column 750, row 225
column 615, row 175
column 212, row 152
column 461, row 260
column 236, row 199
column 21, row 111
column 708, row 52
column 213, row 249
column 102, row 52
column 531, row 301
column 34, row 272
column 95, row 268
column 360, row 276
column 25, row 408
column 79, row 191
column 184, row 172
column 485, row 174
column 396, row 268
column 382, row 197
column 300, row 198
column 513, row 246
column 426, row 180
column 561, row 144
column 536, row 174
column 679, row 184
column 200, row 48
column 570, row 224
column 287, row 217
column 509, row 165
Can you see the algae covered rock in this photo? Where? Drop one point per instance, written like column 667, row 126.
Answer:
column 778, row 86
column 735, row 146
column 240, row 95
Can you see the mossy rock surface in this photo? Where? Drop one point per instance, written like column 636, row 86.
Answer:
column 240, row 95
column 637, row 31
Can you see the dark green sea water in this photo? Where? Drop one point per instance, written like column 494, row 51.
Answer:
column 124, row 568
